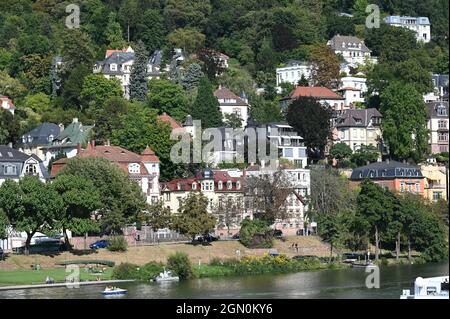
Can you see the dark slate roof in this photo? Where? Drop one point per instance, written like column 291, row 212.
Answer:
column 41, row 133
column 433, row 107
column 16, row 158
column 8, row 154
column 357, row 118
column 350, row 42
column 386, row 170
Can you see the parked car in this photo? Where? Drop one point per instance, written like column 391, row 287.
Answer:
column 206, row 238
column 236, row 236
column 99, row 244
column 277, row 233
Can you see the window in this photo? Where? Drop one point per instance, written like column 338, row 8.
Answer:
column 437, row 196
column 134, row 168
column 194, row 186
column 355, row 133
column 113, row 67
column 442, row 124
column 229, row 185
column 237, row 111
column 178, row 186
column 167, row 197
column 220, row 185
column 10, row 170
column 402, row 187
column 442, row 137
column 31, row 169
column 409, row 188
column 417, row 188
column 288, row 152
column 238, row 185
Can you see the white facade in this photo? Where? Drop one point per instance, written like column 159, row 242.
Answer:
column 290, row 145
column 292, row 73
column 420, row 25
column 355, row 83
column 352, row 96
column 352, row 49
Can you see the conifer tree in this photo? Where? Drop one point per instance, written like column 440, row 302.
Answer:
column 138, row 77
column 206, row 107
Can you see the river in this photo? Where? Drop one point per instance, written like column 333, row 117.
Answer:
column 343, row 283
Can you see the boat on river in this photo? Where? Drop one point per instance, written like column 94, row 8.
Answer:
column 166, row 275
column 428, row 288
column 363, row 264
column 112, row 291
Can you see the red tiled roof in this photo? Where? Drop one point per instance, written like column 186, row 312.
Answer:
column 167, row 118
column 224, row 93
column 318, row 92
column 111, row 51
column 349, row 88
column 149, row 156
column 9, row 102
column 115, row 154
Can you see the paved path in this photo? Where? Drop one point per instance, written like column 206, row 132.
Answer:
column 63, row 284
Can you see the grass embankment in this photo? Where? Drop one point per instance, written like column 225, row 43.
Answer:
column 30, row 277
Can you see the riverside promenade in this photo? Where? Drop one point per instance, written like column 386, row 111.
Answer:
column 63, row 284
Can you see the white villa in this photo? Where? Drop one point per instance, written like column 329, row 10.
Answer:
column 420, row 25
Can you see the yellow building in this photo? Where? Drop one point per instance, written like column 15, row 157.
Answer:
column 435, row 182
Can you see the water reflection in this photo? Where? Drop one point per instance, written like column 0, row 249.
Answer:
column 346, row 283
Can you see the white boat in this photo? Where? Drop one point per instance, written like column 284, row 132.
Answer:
column 428, row 288
column 109, row 291
column 166, row 275
column 364, row 264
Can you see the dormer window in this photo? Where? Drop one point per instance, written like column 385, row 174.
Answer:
column 31, row 169
column 178, row 186
column 50, row 138
column 229, row 185
column 194, row 186
column 238, row 185
column 113, row 67
column 10, row 170
column 220, row 185
column 30, row 139
column 134, row 168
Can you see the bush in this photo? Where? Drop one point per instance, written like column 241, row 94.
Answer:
column 150, row 270
column 256, row 234
column 117, row 243
column 180, row 264
column 126, row 271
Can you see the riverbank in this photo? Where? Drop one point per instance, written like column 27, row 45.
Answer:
column 69, row 285
column 140, row 255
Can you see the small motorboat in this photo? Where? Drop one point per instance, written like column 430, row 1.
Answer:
column 428, row 288
column 110, row 291
column 166, row 275
column 364, row 264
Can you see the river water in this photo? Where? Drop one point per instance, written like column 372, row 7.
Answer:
column 343, row 283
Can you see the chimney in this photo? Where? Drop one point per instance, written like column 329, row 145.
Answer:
column 61, row 127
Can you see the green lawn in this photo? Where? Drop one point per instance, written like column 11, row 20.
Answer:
column 28, row 277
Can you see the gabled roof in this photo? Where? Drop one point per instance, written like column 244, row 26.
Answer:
column 168, row 119
column 8, row 154
column 149, row 156
column 386, row 170
column 340, row 42
column 357, row 117
column 9, row 105
column 318, row 92
column 223, row 93
column 41, row 134
column 18, row 159
column 75, row 133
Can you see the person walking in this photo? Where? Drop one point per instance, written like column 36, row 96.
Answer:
column 296, row 247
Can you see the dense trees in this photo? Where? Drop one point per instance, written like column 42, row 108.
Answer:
column 404, row 122
column 206, row 107
column 138, row 77
column 312, row 121
column 193, row 218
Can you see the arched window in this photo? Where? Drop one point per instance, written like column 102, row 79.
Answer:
column 229, row 185
column 194, row 185
column 220, row 185
column 238, row 185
